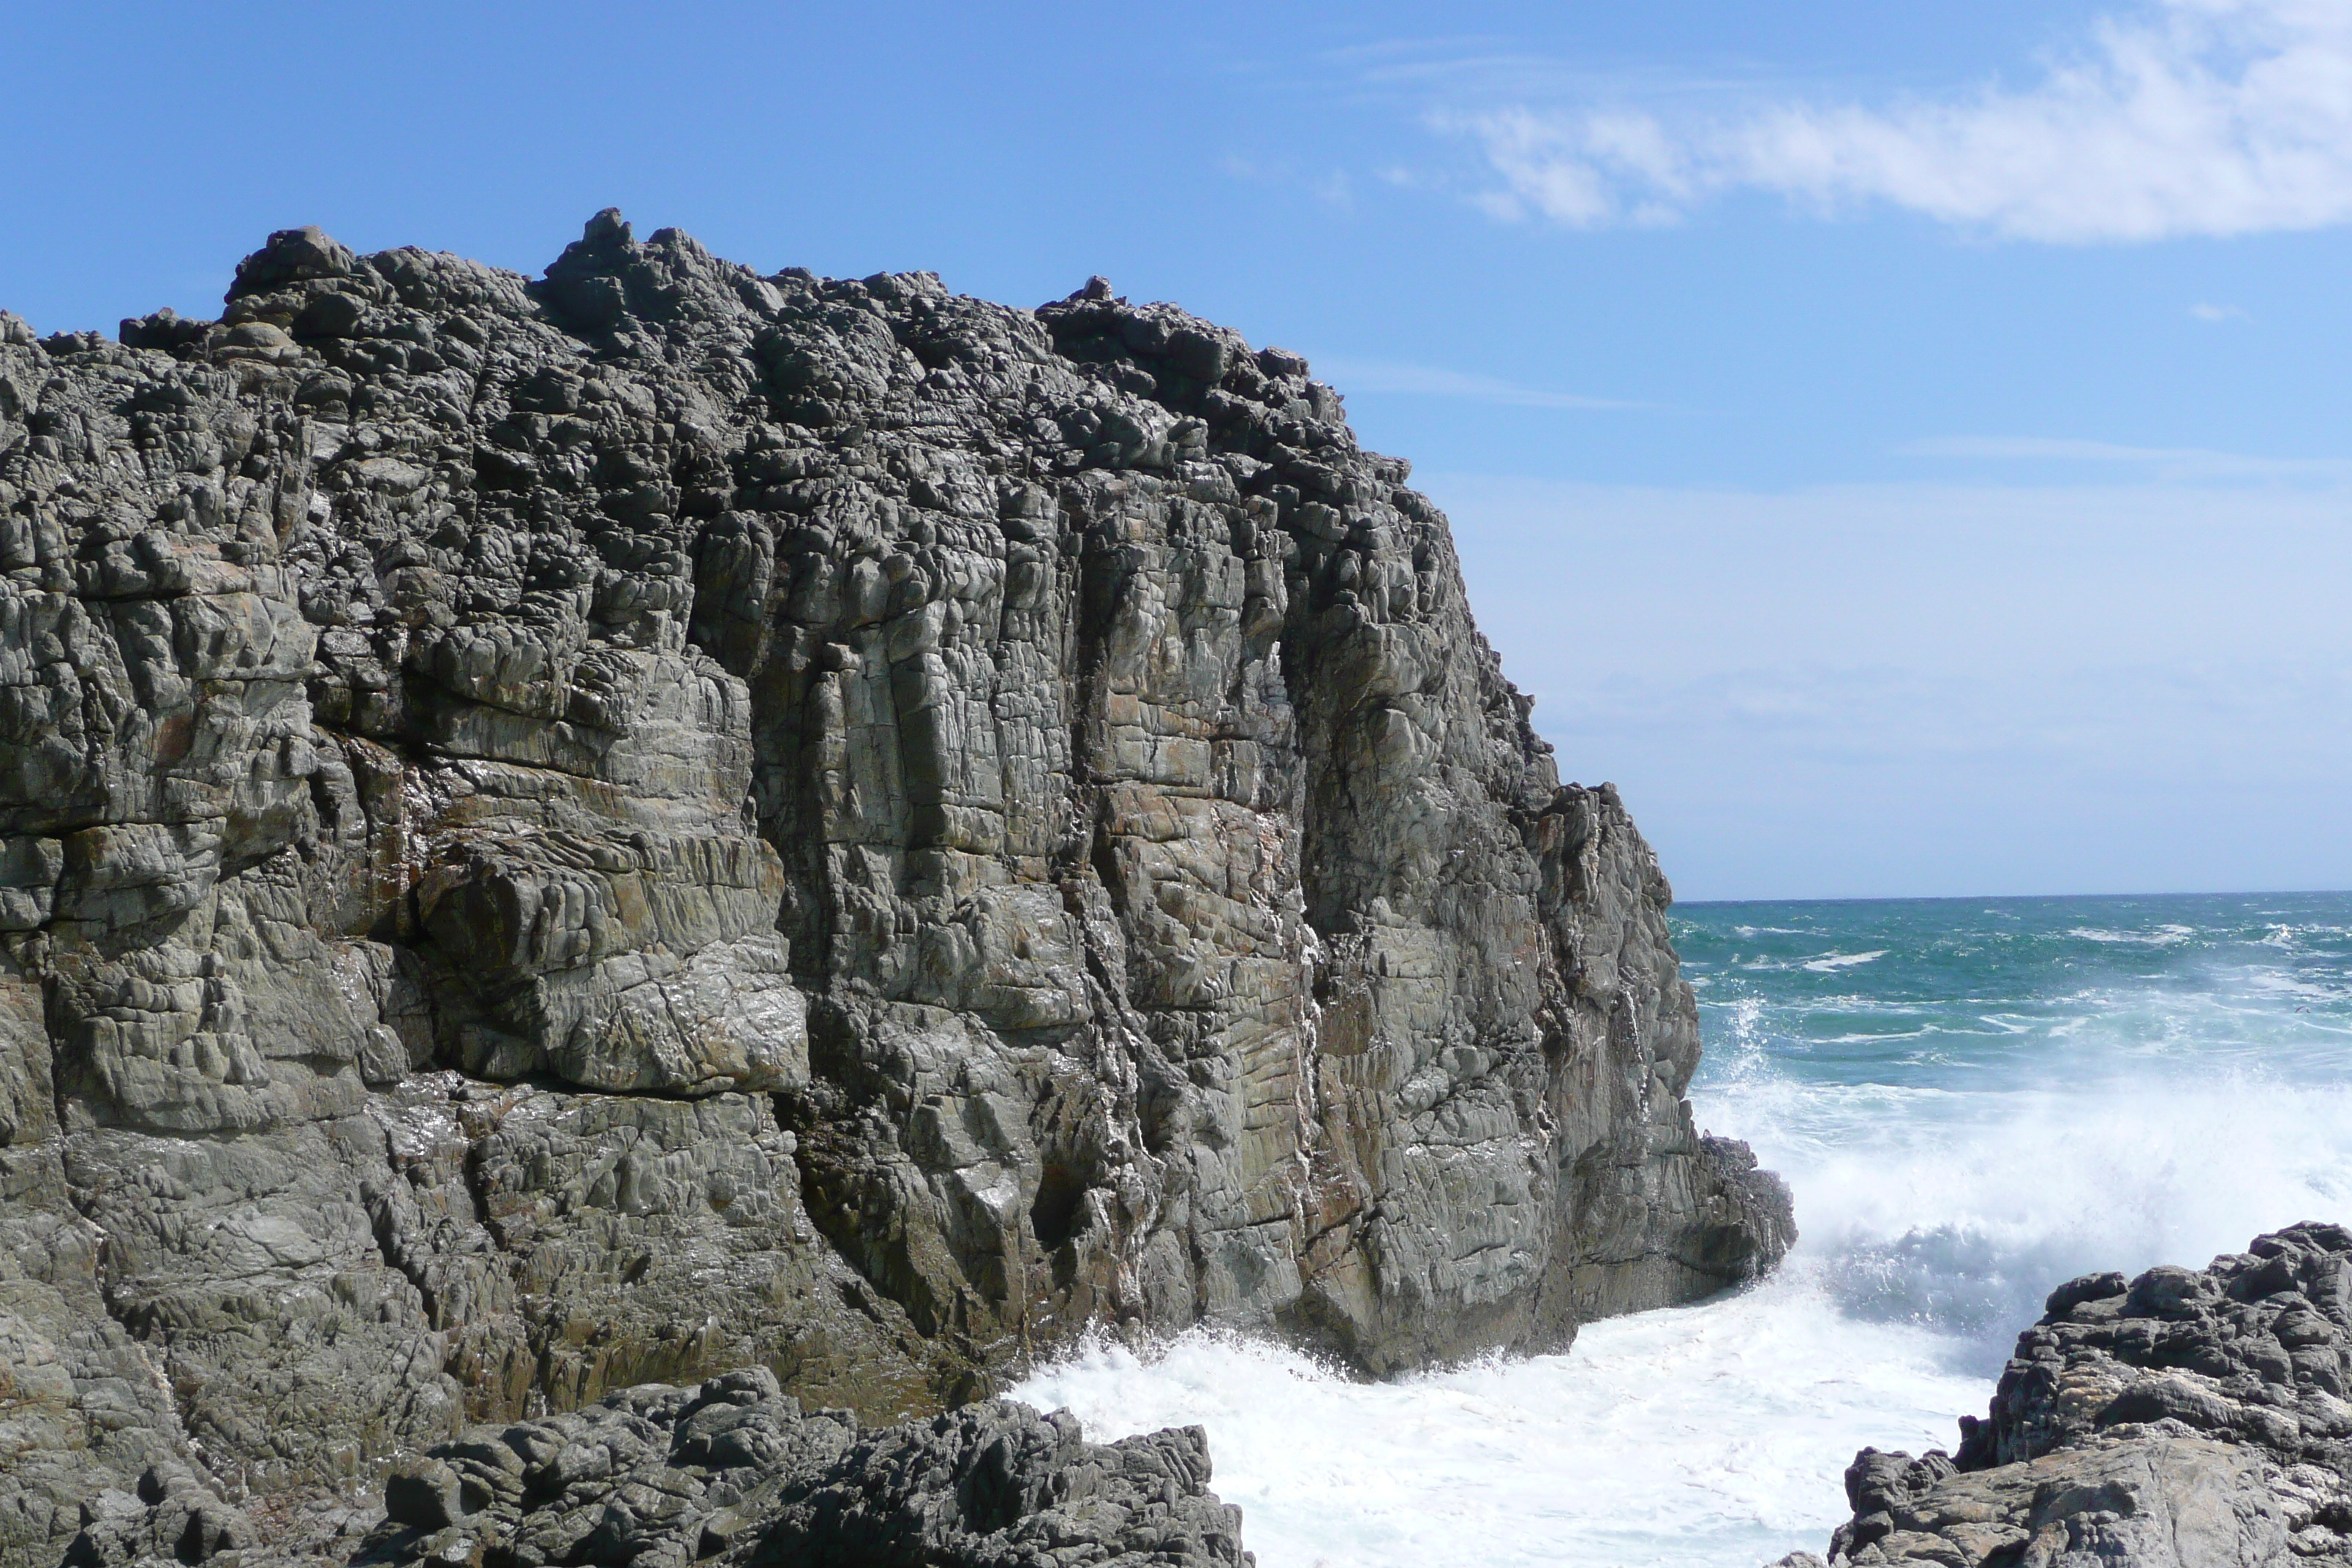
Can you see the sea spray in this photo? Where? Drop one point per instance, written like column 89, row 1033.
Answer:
column 1972, row 1101
column 1693, row 1436
column 2032, row 1089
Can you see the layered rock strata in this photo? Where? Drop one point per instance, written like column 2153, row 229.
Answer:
column 562, row 834
column 2178, row 1420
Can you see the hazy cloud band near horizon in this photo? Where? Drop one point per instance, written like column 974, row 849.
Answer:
column 2186, row 117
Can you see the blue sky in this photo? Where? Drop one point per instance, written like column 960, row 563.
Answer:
column 1903, row 445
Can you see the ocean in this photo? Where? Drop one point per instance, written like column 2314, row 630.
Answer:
column 1973, row 1100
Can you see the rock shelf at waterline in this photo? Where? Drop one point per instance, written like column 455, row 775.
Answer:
column 563, row 835
column 2181, row 1418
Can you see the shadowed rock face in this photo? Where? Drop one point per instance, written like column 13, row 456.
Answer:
column 734, row 1474
column 2186, row 1417
column 556, row 834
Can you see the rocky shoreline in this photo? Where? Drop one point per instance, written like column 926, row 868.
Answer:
column 2181, row 1419
column 563, row 835
column 732, row 1472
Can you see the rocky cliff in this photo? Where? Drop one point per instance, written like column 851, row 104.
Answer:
column 660, row 820
column 2183, row 1419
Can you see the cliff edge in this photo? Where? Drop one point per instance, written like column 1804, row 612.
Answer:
column 559, row 835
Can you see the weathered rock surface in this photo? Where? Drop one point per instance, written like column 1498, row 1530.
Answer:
column 560, row 835
column 2184, row 1417
column 732, row 1473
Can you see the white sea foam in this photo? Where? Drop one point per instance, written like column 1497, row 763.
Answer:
column 2162, row 936
column 1965, row 1218
column 1942, row 1191
column 1702, row 1436
column 2144, row 1124
column 1835, row 961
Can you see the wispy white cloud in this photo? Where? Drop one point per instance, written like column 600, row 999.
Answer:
column 2177, row 462
column 1351, row 375
column 2182, row 117
column 1332, row 187
column 2216, row 314
column 2060, row 450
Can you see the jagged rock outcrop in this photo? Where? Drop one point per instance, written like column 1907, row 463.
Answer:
column 2182, row 1418
column 560, row 835
column 733, row 1473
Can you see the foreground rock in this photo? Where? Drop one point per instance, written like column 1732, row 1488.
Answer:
column 729, row 1473
column 2184, row 1417
column 557, row 834
column 733, row 1473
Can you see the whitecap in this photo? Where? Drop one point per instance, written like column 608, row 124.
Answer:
column 1835, row 961
column 2162, row 936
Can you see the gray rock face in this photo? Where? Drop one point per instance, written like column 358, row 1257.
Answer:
column 2179, row 1418
column 560, row 835
column 732, row 1473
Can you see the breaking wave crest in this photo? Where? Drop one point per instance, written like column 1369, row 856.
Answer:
column 1980, row 1103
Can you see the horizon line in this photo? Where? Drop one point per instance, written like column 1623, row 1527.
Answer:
column 2016, row 898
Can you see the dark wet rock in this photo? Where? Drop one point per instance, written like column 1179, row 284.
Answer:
column 563, row 834
column 2182, row 1417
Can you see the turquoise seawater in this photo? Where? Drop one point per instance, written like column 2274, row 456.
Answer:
column 1975, row 1099
column 1972, row 1100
